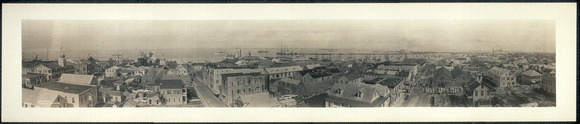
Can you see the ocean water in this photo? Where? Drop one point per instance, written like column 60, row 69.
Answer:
column 193, row 55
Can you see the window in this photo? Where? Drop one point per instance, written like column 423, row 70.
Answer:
column 359, row 94
column 475, row 93
column 338, row 91
column 73, row 100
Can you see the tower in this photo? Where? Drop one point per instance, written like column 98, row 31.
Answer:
column 62, row 60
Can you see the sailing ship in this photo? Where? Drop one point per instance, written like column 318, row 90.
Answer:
column 285, row 52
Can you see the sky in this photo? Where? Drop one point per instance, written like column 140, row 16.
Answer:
column 415, row 35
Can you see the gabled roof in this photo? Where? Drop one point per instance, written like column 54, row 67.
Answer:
column 531, row 73
column 456, row 72
column 351, row 77
column 77, row 79
column 290, row 81
column 276, row 70
column 171, row 84
column 442, row 72
column 348, row 92
column 319, row 87
column 113, row 68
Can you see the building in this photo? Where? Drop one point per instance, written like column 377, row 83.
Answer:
column 31, row 80
column 180, row 69
column 549, row 81
column 357, row 95
column 141, row 71
column 197, row 66
column 51, row 70
column 111, row 71
column 531, row 78
column 316, row 75
column 212, row 75
column 237, row 84
column 393, row 83
column 350, row 78
column 412, row 68
column 455, row 78
column 500, row 77
column 289, row 86
column 479, row 93
column 173, row 91
column 82, row 68
column 275, row 73
column 311, row 66
column 60, row 94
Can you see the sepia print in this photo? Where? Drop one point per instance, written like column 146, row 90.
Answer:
column 288, row 63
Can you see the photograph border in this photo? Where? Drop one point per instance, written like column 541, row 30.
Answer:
column 563, row 13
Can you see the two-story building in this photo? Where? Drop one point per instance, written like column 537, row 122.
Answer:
column 289, row 86
column 500, row 77
column 531, row 78
column 173, row 91
column 479, row 93
column 112, row 71
column 275, row 73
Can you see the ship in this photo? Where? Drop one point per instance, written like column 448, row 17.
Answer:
column 262, row 51
column 285, row 52
column 220, row 53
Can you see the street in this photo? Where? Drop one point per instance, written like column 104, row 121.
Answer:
column 206, row 95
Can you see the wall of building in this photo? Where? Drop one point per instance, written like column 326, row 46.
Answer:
column 241, row 85
column 549, row 84
column 173, row 96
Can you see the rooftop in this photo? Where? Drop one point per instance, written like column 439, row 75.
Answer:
column 531, row 73
column 276, row 70
column 171, row 84
column 316, row 101
column 240, row 74
column 67, row 88
column 77, row 79
column 290, row 81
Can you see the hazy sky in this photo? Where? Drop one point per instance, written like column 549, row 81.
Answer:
column 416, row 35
